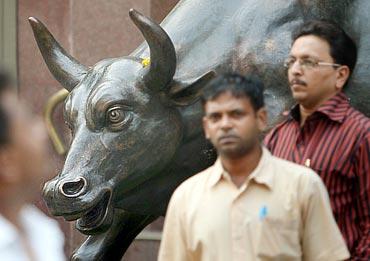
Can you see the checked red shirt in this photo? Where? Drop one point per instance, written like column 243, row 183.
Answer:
column 335, row 143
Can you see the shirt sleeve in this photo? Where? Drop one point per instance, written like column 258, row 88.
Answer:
column 362, row 168
column 321, row 238
column 173, row 244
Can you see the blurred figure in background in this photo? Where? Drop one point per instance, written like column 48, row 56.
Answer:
column 25, row 232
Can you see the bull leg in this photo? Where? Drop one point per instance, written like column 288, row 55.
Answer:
column 112, row 244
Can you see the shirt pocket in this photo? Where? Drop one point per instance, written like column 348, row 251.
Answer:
column 277, row 239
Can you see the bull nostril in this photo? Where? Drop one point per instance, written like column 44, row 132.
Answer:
column 73, row 188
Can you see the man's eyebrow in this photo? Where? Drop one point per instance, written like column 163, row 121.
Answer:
column 212, row 113
column 305, row 56
column 236, row 109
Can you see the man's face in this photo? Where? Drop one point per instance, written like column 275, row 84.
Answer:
column 232, row 125
column 312, row 86
column 25, row 156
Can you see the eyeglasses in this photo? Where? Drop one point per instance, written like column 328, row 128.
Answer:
column 308, row 63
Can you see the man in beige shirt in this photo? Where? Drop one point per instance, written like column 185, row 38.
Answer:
column 249, row 205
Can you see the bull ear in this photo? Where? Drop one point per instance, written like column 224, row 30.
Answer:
column 189, row 92
column 66, row 70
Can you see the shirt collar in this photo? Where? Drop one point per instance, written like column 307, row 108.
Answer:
column 261, row 174
column 334, row 108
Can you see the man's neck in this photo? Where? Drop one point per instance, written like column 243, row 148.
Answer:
column 305, row 113
column 240, row 168
column 305, row 110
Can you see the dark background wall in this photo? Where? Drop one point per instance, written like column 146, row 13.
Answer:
column 90, row 30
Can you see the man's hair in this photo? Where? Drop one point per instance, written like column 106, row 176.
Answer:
column 343, row 49
column 5, row 84
column 249, row 86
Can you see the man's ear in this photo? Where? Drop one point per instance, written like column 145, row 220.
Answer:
column 186, row 93
column 261, row 115
column 205, row 127
column 343, row 73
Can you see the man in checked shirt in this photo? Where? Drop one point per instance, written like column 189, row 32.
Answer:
column 324, row 132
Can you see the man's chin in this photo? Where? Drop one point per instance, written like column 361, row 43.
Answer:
column 299, row 97
column 232, row 152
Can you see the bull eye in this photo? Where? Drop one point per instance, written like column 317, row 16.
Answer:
column 117, row 117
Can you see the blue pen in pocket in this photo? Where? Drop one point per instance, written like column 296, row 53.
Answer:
column 263, row 212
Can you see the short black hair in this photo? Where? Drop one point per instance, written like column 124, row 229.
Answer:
column 5, row 84
column 248, row 86
column 343, row 49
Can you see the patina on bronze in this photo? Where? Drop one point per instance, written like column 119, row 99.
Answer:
column 136, row 122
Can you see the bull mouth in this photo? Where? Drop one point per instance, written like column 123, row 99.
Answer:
column 98, row 218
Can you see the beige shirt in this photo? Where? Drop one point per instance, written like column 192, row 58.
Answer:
column 282, row 212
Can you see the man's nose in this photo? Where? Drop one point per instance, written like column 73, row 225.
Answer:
column 226, row 122
column 296, row 68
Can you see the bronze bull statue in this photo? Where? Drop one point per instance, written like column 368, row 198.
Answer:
column 136, row 122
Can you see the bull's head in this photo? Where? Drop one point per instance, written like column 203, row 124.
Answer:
column 125, row 123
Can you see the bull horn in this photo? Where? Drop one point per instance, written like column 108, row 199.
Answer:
column 162, row 52
column 66, row 70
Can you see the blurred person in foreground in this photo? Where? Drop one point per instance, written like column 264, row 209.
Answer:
column 249, row 205
column 25, row 232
